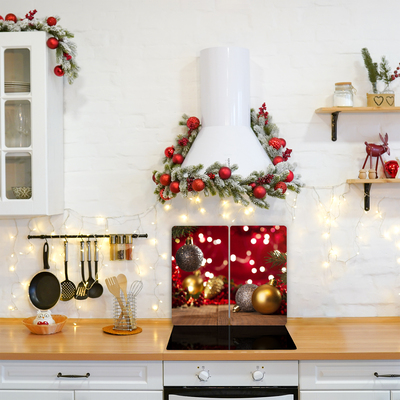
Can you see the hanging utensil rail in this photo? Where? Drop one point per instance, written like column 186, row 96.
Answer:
column 134, row 236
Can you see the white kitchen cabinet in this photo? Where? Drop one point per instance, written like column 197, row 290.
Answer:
column 35, row 395
column 31, row 127
column 81, row 380
column 355, row 380
column 118, row 395
column 345, row 395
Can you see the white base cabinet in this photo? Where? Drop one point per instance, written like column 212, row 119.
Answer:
column 345, row 380
column 83, row 380
column 35, row 395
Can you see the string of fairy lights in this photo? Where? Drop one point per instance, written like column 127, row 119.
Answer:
column 328, row 215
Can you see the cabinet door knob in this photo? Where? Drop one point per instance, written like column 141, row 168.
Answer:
column 204, row 375
column 60, row 375
column 257, row 375
column 386, row 376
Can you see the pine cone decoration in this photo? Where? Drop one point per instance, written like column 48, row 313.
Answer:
column 275, row 143
column 265, row 180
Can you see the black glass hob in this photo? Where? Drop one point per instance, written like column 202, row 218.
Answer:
column 234, row 337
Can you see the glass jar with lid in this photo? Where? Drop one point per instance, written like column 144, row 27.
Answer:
column 343, row 95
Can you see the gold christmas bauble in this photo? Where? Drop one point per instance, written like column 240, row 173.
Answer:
column 266, row 299
column 193, row 283
column 214, row 287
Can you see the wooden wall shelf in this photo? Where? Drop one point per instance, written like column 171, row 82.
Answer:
column 335, row 111
column 367, row 187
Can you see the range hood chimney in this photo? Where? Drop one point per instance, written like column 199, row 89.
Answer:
column 226, row 135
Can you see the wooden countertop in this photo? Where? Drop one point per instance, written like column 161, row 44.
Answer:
column 315, row 338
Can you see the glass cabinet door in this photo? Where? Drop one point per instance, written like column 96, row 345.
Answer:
column 17, row 123
column 18, row 176
column 17, row 67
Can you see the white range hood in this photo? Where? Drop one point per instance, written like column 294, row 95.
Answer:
column 226, row 135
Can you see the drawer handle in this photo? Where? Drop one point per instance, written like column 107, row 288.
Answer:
column 386, row 376
column 60, row 375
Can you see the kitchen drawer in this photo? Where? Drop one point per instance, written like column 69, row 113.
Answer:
column 346, row 395
column 118, row 395
column 349, row 375
column 232, row 373
column 122, row 375
column 35, row 395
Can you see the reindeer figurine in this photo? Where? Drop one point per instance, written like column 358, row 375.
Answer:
column 376, row 150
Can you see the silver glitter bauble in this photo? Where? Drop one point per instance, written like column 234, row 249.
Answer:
column 244, row 295
column 189, row 257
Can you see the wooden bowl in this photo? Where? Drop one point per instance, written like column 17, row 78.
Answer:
column 60, row 321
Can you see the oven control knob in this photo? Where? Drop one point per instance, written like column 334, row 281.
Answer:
column 204, row 375
column 257, row 375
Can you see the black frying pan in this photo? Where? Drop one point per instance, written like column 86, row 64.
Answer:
column 45, row 288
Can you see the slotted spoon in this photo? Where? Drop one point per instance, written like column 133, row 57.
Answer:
column 68, row 288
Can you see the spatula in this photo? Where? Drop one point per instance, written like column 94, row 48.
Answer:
column 115, row 290
column 68, row 288
column 123, row 284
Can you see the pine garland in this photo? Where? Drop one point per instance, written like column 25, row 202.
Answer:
column 237, row 187
column 372, row 68
column 65, row 47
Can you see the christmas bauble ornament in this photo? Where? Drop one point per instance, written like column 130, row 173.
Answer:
column 52, row 43
column 169, row 151
column 165, row 179
column 266, row 299
column 275, row 143
column 193, row 123
column 1, row 18
column 283, row 142
column 193, row 283
column 154, row 179
column 58, row 70
column 177, row 159
column 189, row 257
column 391, row 168
column 11, row 17
column 244, row 295
column 259, row 192
column 213, row 287
column 277, row 160
column 290, row 177
column 253, row 185
column 162, row 195
column 51, row 21
column 198, row 185
column 174, row 187
column 282, row 186
column 225, row 173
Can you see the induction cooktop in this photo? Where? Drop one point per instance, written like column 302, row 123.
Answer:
column 233, row 337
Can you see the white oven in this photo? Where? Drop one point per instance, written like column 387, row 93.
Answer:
column 211, row 380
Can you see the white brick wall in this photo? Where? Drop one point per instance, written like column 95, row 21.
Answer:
column 139, row 74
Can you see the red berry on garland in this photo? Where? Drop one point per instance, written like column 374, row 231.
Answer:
column 67, row 56
column 183, row 142
column 52, row 43
column 211, row 175
column 275, row 143
column 193, row 123
column 169, row 151
column 225, row 173
column 51, row 21
column 198, row 185
column 177, row 159
column 259, row 192
column 161, row 195
column 283, row 142
column 282, row 186
column 174, row 187
column 165, row 179
column 11, row 17
column 58, row 70
column 289, row 177
column 277, row 160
